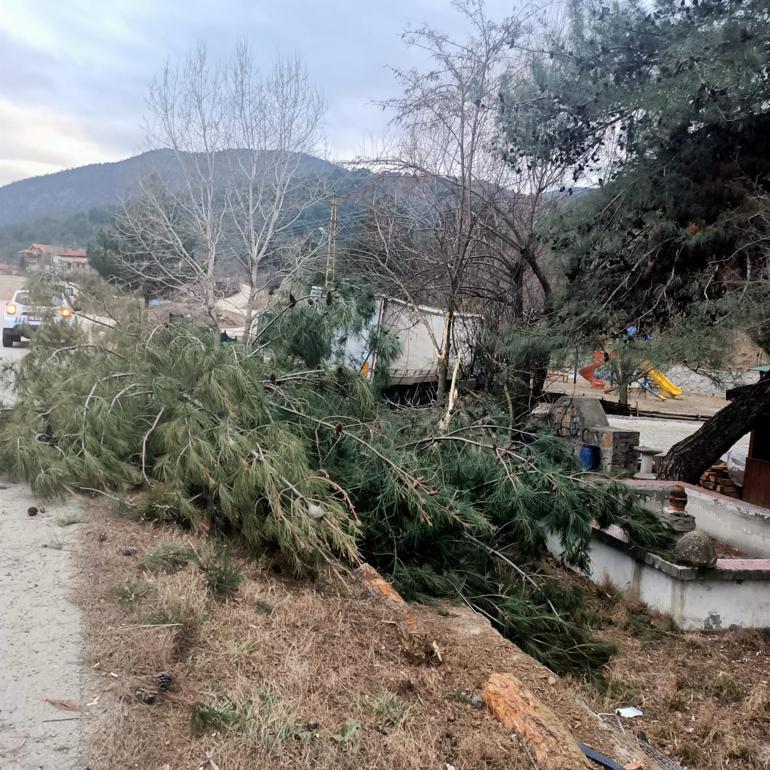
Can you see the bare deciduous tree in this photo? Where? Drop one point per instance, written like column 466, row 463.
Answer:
column 177, row 222
column 475, row 212
column 276, row 122
column 235, row 191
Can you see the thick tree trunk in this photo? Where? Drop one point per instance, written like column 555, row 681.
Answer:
column 687, row 460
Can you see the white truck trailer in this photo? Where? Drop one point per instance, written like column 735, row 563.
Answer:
column 419, row 330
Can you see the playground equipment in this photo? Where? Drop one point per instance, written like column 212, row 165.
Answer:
column 587, row 372
column 642, row 383
column 664, row 383
column 650, row 380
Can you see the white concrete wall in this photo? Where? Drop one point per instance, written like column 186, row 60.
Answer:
column 694, row 604
column 741, row 525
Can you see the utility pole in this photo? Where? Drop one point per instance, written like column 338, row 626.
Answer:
column 331, row 253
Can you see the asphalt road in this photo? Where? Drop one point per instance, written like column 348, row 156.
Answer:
column 8, row 285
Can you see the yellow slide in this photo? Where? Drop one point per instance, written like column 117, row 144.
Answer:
column 664, row 383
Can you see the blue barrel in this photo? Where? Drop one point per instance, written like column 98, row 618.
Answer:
column 589, row 457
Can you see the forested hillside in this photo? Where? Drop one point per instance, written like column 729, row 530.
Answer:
column 69, row 207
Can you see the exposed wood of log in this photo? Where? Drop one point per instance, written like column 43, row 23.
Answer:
column 552, row 745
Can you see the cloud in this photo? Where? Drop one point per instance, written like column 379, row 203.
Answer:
column 75, row 72
column 38, row 140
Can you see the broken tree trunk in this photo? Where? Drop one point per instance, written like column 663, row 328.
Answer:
column 688, row 459
column 545, row 734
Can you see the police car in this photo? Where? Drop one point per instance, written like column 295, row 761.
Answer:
column 20, row 318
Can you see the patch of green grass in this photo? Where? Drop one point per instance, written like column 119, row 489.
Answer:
column 168, row 557
column 263, row 608
column 608, row 591
column 617, row 691
column 349, row 733
column 223, row 575
column 648, row 632
column 131, row 592
column 388, row 709
column 265, row 721
column 744, row 753
column 461, row 696
column 690, row 753
column 220, row 715
column 726, row 689
column 69, row 519
column 184, row 623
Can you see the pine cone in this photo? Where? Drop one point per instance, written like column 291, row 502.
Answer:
column 163, row 680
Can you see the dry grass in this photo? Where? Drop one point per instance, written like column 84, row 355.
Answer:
column 705, row 697
column 279, row 674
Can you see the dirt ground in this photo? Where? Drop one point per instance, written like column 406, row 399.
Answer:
column 287, row 673
column 41, row 647
column 705, row 697
column 686, row 404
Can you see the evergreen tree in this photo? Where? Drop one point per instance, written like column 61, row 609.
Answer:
column 306, row 462
column 663, row 111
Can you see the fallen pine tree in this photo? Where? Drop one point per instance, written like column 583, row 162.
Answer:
column 308, row 464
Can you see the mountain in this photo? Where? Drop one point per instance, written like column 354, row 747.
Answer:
column 69, row 207
column 99, row 185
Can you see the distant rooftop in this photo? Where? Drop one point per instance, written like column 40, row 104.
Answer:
column 49, row 250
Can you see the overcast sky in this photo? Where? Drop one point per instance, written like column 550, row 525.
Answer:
column 74, row 73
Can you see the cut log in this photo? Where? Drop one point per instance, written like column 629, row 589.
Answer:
column 688, row 459
column 552, row 745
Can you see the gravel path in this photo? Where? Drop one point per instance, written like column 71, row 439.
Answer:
column 662, row 434
column 41, row 648
column 715, row 385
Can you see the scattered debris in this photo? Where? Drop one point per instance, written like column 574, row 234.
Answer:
column 164, row 680
column 65, row 704
column 146, row 696
column 129, row 551
column 600, row 759
column 477, row 702
column 315, row 511
column 629, row 712
column 32, row 510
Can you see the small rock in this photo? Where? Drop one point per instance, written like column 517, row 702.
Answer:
column 41, row 509
column 312, row 725
column 129, row 551
column 696, row 549
column 32, row 511
column 477, row 702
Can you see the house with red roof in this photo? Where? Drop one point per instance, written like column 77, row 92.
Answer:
column 62, row 259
